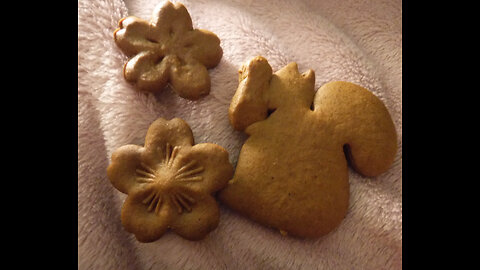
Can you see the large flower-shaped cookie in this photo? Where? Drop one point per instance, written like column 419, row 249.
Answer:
column 170, row 182
column 167, row 49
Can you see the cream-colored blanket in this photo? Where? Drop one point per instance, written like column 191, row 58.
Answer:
column 356, row 41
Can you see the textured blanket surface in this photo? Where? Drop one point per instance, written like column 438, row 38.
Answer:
column 351, row 40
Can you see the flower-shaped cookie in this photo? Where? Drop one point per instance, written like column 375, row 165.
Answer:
column 170, row 182
column 168, row 50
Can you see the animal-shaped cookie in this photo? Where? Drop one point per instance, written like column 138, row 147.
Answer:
column 292, row 171
column 167, row 49
column 170, row 182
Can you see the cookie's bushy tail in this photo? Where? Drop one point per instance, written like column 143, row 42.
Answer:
column 369, row 136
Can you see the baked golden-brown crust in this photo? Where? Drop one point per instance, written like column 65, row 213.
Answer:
column 292, row 171
column 167, row 49
column 170, row 182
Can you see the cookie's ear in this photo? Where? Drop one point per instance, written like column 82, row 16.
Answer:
column 362, row 123
column 249, row 103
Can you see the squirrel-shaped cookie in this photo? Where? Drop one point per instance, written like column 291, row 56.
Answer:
column 292, row 171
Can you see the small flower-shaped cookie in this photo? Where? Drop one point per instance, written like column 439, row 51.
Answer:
column 168, row 50
column 170, row 182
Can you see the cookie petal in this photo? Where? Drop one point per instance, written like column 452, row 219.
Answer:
column 148, row 70
column 195, row 225
column 148, row 220
column 121, row 171
column 203, row 46
column 135, row 35
column 171, row 19
column 190, row 79
column 162, row 138
column 204, row 169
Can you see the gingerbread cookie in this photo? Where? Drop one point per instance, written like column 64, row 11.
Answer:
column 170, row 182
column 292, row 171
column 167, row 49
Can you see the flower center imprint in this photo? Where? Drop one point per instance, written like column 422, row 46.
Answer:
column 167, row 182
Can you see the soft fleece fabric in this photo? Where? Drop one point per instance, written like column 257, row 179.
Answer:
column 356, row 41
